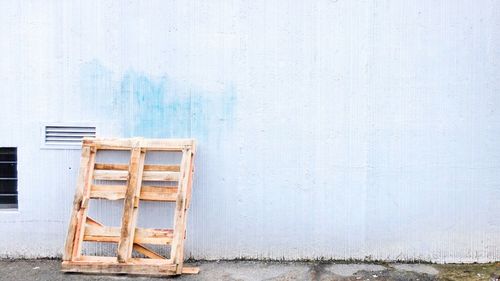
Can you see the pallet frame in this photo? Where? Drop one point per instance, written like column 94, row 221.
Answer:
column 128, row 236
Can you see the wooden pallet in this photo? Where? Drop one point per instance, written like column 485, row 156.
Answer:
column 128, row 236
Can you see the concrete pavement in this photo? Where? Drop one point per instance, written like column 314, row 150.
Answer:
column 259, row 270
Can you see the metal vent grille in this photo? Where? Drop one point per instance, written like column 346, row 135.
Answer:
column 67, row 136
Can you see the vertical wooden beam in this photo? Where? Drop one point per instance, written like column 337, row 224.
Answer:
column 176, row 252
column 80, row 204
column 180, row 250
column 82, row 212
column 77, row 202
column 131, row 203
column 190, row 181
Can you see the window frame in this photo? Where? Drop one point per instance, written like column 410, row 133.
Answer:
column 6, row 176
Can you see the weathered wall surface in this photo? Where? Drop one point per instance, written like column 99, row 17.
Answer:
column 327, row 129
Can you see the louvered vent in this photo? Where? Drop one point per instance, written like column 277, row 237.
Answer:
column 67, row 136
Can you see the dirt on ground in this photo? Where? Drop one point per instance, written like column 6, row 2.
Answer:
column 466, row 272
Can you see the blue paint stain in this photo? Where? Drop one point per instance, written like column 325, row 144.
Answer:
column 144, row 110
column 156, row 107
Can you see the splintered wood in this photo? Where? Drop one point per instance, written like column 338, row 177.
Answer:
column 129, row 237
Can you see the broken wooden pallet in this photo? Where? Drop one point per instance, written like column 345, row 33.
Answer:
column 128, row 236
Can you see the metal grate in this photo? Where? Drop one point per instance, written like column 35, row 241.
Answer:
column 67, row 136
column 8, row 177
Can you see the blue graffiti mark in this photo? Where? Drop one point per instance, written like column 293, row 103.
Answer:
column 156, row 107
column 144, row 106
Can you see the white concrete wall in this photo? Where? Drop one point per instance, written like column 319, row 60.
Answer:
column 327, row 129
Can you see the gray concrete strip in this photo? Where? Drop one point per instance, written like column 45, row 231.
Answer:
column 418, row 268
column 251, row 271
column 350, row 269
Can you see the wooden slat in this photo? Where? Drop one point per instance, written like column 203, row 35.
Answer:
column 190, row 270
column 133, row 261
column 110, row 265
column 131, row 204
column 77, row 201
column 154, row 236
column 102, row 234
column 188, row 180
column 137, row 246
column 142, row 235
column 148, row 144
column 109, row 192
column 93, row 222
column 118, row 175
column 159, row 193
column 160, row 176
column 82, row 213
column 176, row 252
column 124, row 167
column 111, row 175
column 105, row 166
column 149, row 193
column 147, row 252
column 99, row 259
column 159, row 168
column 116, row 268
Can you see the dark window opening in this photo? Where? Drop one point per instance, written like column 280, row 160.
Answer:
column 8, row 178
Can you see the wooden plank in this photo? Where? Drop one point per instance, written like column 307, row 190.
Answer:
column 190, row 181
column 102, row 234
column 160, row 176
column 137, row 246
column 101, row 259
column 176, row 252
column 168, row 144
column 133, row 269
column 190, row 270
column 82, row 213
column 93, row 222
column 106, row 166
column 77, row 201
column 147, row 252
column 151, row 167
column 129, row 219
column 159, row 193
column 111, row 175
column 141, row 235
column 149, row 193
column 149, row 144
column 180, row 249
column 110, row 265
column 118, row 175
column 154, row 236
column 110, row 192
column 159, row 168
